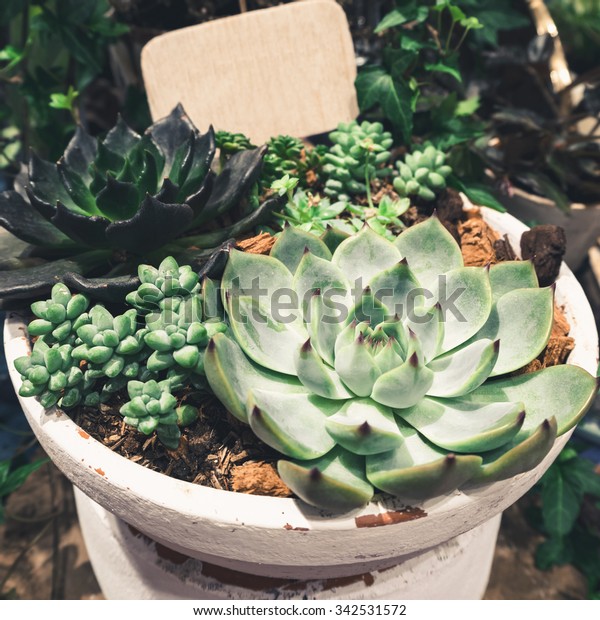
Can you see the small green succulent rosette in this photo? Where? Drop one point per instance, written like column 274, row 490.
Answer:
column 422, row 174
column 379, row 365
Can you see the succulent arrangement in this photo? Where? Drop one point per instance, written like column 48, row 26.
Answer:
column 382, row 377
column 108, row 205
column 154, row 349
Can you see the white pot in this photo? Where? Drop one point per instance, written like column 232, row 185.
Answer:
column 285, row 538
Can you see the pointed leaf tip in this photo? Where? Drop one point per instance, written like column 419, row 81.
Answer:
column 306, row 250
column 364, row 429
column 306, row 347
column 315, row 474
column 360, row 339
column 256, row 412
column 521, row 418
column 413, row 360
column 316, row 292
column 450, row 459
column 403, row 261
column 496, row 345
column 211, row 345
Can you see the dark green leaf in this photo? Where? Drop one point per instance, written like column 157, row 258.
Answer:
column 477, row 193
column 235, row 180
column 46, row 188
column 154, row 225
column 76, row 188
column 542, row 185
column 17, row 477
column 118, row 201
column 375, row 85
column 121, row 139
column 444, row 67
column 88, row 230
column 80, row 153
column 554, row 551
column 36, row 282
column 397, row 17
column 171, row 132
column 25, row 223
column 203, row 154
column 561, row 500
column 105, row 290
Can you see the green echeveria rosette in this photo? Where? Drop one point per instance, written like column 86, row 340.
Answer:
column 144, row 196
column 414, row 399
column 422, row 173
column 152, row 408
column 357, row 156
column 59, row 317
column 51, row 374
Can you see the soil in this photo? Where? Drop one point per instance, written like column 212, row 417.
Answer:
column 221, row 452
column 545, row 245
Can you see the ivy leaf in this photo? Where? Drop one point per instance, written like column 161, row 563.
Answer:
column 374, row 85
column 442, row 67
column 58, row 101
column 562, row 494
column 555, row 550
column 477, row 193
column 469, row 106
column 397, row 17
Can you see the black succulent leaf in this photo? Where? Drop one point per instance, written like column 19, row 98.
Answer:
column 126, row 197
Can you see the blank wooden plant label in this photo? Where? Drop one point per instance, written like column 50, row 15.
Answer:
column 284, row 70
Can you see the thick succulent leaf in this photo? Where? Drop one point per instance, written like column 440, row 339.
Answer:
column 417, row 469
column 202, row 154
column 76, row 188
column 35, row 282
column 357, row 367
column 363, row 256
column 405, row 385
column 272, row 344
column 232, row 376
column 324, row 326
column 80, row 153
column 118, row 201
column 169, row 133
column 121, row 139
column 293, row 424
column 465, row 298
column 463, row 370
column 197, row 201
column 461, row 426
column 428, row 325
column 259, row 216
column 395, row 287
column 517, row 457
column 368, row 308
column 235, row 180
column 212, row 308
column 509, row 275
column 397, row 331
column 85, row 229
column 45, row 188
column 106, row 290
column 317, row 275
column 522, row 320
column 332, row 237
column 565, row 392
column 363, row 426
column 388, row 357
column 263, row 276
column 317, row 376
column 154, row 225
column 291, row 244
column 430, row 250
column 336, row 481
column 24, row 222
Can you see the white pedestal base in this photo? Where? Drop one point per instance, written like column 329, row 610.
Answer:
column 129, row 565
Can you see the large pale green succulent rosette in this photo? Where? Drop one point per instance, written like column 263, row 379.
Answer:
column 404, row 387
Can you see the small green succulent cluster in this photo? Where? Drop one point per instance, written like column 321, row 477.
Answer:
column 113, row 349
column 230, row 143
column 59, row 317
column 422, row 174
column 357, row 156
column 159, row 343
column 393, row 371
column 152, row 407
column 51, row 374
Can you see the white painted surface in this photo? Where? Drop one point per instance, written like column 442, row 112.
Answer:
column 251, row 533
column 128, row 567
